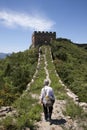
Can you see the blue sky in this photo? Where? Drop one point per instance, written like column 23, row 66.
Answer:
column 19, row 18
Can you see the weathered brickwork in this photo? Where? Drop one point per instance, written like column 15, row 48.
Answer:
column 39, row 38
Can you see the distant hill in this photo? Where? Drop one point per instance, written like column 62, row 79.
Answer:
column 82, row 45
column 3, row 55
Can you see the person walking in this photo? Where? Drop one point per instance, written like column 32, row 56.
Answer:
column 47, row 99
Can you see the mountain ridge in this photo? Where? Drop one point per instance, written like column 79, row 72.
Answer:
column 4, row 55
column 21, row 79
column 28, row 115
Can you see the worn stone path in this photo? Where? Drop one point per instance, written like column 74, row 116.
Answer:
column 59, row 121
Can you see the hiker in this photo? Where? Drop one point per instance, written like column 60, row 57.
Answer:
column 47, row 93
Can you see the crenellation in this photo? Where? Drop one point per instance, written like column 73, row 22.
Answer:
column 39, row 38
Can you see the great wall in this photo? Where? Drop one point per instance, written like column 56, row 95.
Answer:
column 40, row 38
column 60, row 121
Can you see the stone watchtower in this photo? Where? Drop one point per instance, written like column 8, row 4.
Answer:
column 40, row 38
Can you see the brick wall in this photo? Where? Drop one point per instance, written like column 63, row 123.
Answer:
column 39, row 38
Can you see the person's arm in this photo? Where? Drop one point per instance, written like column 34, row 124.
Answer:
column 53, row 95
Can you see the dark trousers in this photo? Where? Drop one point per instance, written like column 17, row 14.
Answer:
column 47, row 111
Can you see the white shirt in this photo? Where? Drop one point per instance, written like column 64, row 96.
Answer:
column 47, row 90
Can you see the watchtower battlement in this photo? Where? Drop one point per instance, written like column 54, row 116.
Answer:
column 39, row 38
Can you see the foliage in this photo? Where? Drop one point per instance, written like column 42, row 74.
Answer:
column 58, row 88
column 28, row 109
column 70, row 62
column 73, row 110
column 38, row 84
column 16, row 72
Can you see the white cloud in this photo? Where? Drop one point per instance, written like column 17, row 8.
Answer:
column 13, row 19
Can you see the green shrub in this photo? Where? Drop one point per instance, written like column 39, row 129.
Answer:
column 73, row 110
column 70, row 63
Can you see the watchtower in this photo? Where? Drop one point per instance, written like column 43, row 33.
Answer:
column 40, row 38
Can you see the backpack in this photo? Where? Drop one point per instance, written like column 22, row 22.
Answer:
column 47, row 100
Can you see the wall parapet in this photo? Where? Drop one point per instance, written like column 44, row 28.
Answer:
column 42, row 37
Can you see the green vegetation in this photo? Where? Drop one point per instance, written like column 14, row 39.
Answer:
column 15, row 72
column 73, row 110
column 41, row 75
column 71, row 65
column 27, row 113
column 58, row 88
column 76, row 113
column 27, row 107
column 28, row 110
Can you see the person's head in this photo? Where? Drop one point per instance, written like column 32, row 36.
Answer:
column 46, row 82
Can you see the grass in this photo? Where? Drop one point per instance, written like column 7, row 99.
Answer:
column 58, row 88
column 73, row 110
column 38, row 84
column 29, row 110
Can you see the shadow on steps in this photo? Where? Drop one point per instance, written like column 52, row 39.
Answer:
column 57, row 121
